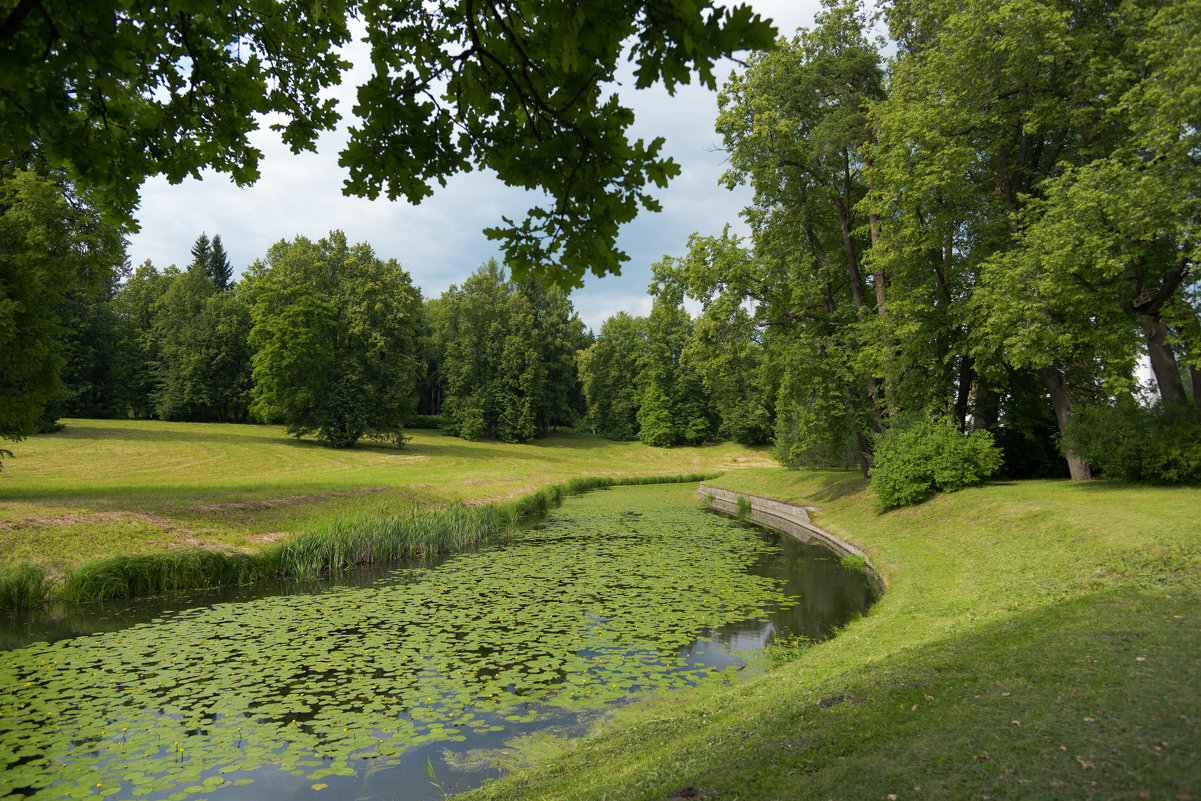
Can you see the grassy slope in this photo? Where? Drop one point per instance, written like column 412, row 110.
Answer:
column 1038, row 640
column 128, row 486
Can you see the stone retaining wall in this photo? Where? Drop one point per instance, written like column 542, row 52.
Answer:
column 786, row 518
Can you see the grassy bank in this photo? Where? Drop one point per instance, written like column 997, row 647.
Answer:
column 103, row 487
column 1038, row 640
column 326, row 545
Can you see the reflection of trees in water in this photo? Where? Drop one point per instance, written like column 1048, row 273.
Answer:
column 829, row 594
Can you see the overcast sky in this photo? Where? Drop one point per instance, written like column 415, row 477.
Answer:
column 440, row 242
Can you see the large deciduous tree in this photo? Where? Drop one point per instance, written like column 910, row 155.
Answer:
column 506, row 353
column 52, row 242
column 608, row 371
column 336, row 341
column 202, row 353
column 122, row 91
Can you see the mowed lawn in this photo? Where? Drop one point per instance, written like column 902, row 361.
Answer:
column 100, row 487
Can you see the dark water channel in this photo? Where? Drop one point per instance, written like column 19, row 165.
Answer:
column 356, row 688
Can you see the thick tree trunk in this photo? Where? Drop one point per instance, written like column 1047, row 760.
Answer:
column 1195, row 376
column 865, row 449
column 966, row 372
column 985, row 407
column 1054, row 382
column 1163, row 361
column 856, row 282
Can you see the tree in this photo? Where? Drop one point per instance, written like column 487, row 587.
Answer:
column 91, row 338
column 970, row 139
column 506, row 352
column 608, row 370
column 795, row 124
column 138, row 349
column 673, row 404
column 52, row 241
column 219, row 268
column 202, row 254
column 122, row 93
column 203, row 357
column 336, row 337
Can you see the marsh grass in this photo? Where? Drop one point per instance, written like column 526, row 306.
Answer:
column 24, row 585
column 150, row 574
column 325, row 546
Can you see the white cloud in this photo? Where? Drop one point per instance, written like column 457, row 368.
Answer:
column 441, row 240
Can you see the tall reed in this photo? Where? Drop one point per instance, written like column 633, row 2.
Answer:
column 24, row 585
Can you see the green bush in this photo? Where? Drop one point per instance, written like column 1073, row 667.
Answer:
column 912, row 464
column 1155, row 445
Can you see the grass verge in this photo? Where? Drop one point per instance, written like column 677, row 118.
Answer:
column 325, row 546
column 1038, row 640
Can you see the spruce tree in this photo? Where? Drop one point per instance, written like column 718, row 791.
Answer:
column 201, row 251
column 219, row 268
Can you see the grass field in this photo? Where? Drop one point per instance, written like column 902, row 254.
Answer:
column 99, row 488
column 1038, row 640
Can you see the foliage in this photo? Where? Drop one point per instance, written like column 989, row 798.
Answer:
column 674, row 407
column 506, row 356
column 795, row 123
column 202, row 351
column 138, row 352
column 121, row 93
column 1160, row 444
column 914, row 463
column 91, row 342
column 608, row 371
column 336, row 341
column 52, row 243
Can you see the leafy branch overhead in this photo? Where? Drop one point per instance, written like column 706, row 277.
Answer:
column 120, row 92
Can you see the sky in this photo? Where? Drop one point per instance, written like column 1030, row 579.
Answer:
column 441, row 241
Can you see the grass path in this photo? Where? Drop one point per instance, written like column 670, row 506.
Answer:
column 1038, row 640
column 102, row 487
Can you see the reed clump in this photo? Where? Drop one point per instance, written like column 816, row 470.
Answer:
column 25, row 585
column 323, row 547
column 150, row 574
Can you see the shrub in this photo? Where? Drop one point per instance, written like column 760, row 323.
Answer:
column 1156, row 445
column 912, row 464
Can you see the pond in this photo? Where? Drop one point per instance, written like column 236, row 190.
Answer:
column 366, row 687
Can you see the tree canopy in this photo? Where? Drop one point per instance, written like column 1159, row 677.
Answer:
column 336, row 341
column 118, row 92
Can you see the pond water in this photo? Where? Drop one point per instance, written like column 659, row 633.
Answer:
column 360, row 688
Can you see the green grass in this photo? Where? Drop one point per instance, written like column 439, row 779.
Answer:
column 105, row 488
column 325, row 545
column 1038, row 640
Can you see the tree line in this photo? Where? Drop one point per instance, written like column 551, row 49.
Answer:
column 988, row 228
column 332, row 341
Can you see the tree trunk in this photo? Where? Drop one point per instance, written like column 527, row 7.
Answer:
column 1053, row 380
column 1195, row 375
column 873, row 224
column 865, row 449
column 985, row 407
column 1163, row 361
column 966, row 372
column 856, row 282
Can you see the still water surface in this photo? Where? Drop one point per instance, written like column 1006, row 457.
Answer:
column 355, row 688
